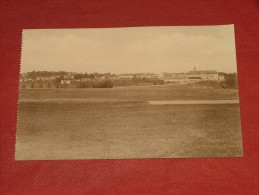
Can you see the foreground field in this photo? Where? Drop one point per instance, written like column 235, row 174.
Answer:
column 124, row 125
column 147, row 93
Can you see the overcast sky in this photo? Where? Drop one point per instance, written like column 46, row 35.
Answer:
column 126, row 50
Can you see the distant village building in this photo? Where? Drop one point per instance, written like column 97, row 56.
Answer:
column 70, row 76
column 138, row 75
column 180, row 78
column 125, row 76
column 26, row 80
column 192, row 76
column 54, row 77
column 221, row 77
column 68, row 82
column 147, row 75
column 203, row 75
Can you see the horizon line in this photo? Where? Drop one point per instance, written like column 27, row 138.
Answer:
column 122, row 72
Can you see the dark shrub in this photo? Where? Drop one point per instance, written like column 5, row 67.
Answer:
column 230, row 81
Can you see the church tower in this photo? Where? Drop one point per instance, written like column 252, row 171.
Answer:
column 194, row 69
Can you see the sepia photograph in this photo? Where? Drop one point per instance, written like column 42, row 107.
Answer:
column 128, row 93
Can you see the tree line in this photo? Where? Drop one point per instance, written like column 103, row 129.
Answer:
column 61, row 74
column 230, row 81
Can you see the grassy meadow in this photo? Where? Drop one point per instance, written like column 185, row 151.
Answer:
column 119, row 123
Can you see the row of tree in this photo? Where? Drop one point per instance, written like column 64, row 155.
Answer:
column 34, row 74
column 230, row 81
column 92, row 83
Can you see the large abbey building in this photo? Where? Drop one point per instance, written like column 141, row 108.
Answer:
column 192, row 76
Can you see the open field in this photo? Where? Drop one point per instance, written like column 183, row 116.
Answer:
column 120, row 123
column 147, row 93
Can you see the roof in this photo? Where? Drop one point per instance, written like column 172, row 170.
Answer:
column 203, row 72
column 175, row 76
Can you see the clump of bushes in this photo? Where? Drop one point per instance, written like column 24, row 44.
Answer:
column 230, row 81
column 103, row 84
column 95, row 84
column 207, row 84
column 138, row 82
column 23, row 85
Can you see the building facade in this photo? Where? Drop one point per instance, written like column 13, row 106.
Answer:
column 192, row 76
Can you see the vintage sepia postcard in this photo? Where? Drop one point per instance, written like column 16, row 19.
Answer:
column 136, row 92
